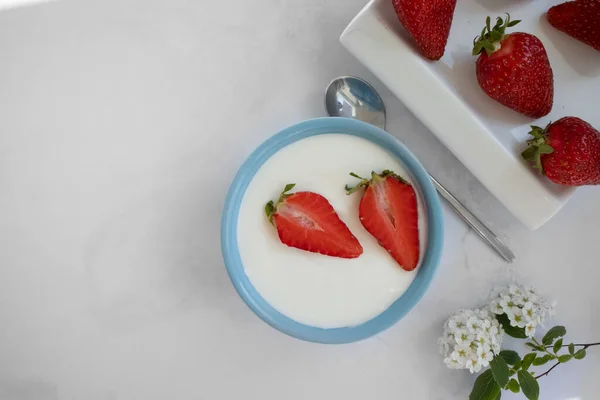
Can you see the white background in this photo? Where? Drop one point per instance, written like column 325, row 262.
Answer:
column 122, row 124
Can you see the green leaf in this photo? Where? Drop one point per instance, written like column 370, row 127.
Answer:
column 499, row 370
column 529, row 385
column 530, row 153
column 565, row 358
column 510, row 330
column 580, row 354
column 511, row 357
column 557, row 345
column 513, row 386
column 511, row 372
column 496, row 36
column 288, row 187
column 513, row 23
column 485, row 387
column 542, row 360
column 527, row 360
column 517, row 365
column 534, row 346
column 499, row 22
column 270, row 210
column 536, row 132
column 553, row 334
column 571, row 348
column 545, row 149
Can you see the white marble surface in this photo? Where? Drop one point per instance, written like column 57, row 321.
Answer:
column 121, row 125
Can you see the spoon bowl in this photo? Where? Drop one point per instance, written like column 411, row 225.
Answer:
column 352, row 97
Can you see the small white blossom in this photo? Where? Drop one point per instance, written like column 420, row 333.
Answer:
column 496, row 347
column 452, row 363
column 463, row 337
column 523, row 306
column 530, row 329
column 506, row 302
column 474, row 324
column 496, row 307
column 470, row 339
column 483, row 337
column 518, row 300
column 473, row 366
column 516, row 317
column 460, row 354
column 485, row 355
column 515, row 290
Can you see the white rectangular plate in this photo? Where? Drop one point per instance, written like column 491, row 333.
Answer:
column 486, row 136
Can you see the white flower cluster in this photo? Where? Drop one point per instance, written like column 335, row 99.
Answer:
column 523, row 306
column 470, row 339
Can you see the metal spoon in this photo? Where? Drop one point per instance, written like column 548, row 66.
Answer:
column 352, row 97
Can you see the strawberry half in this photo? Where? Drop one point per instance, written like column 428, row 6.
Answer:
column 513, row 69
column 306, row 221
column 428, row 22
column 566, row 151
column 388, row 211
column 579, row 19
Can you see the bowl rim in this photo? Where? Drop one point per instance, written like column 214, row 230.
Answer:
column 396, row 310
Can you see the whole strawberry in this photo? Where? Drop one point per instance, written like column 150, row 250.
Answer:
column 388, row 211
column 306, row 221
column 567, row 151
column 513, row 69
column 579, row 19
column 428, row 22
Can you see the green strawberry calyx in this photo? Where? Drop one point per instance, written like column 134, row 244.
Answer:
column 271, row 206
column 490, row 37
column 537, row 146
column 375, row 177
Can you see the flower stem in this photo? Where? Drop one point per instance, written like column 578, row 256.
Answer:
column 547, row 372
column 584, row 345
column 541, row 346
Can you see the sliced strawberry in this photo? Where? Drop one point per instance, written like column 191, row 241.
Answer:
column 388, row 211
column 306, row 221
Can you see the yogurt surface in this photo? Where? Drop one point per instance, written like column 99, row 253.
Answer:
column 314, row 289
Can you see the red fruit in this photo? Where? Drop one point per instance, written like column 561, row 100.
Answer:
column 567, row 151
column 388, row 210
column 428, row 22
column 579, row 19
column 306, row 221
column 514, row 69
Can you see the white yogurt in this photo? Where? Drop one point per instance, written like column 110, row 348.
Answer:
column 313, row 289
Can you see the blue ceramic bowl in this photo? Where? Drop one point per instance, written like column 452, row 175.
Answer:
column 425, row 272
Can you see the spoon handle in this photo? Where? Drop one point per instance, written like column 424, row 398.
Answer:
column 475, row 223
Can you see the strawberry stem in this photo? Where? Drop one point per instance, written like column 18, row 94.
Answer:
column 271, row 206
column 270, row 210
column 363, row 183
column 490, row 37
column 375, row 177
column 536, row 147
